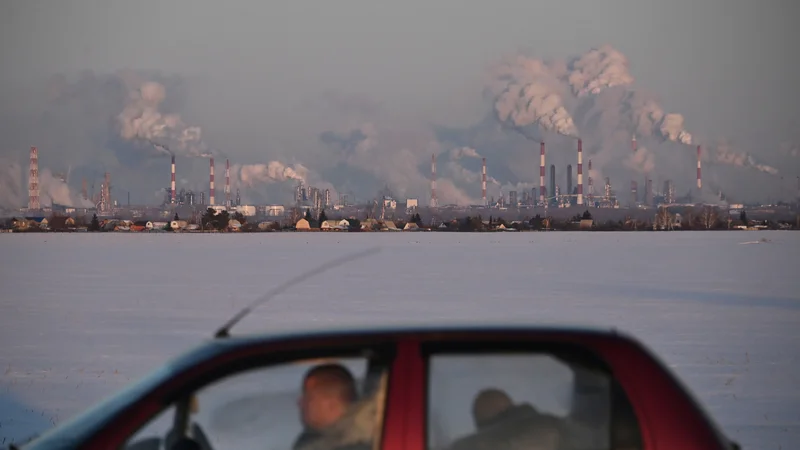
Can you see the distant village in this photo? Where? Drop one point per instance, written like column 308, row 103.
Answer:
column 217, row 220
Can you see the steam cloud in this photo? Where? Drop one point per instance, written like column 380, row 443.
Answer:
column 642, row 161
column 52, row 190
column 141, row 119
column 251, row 175
column 100, row 122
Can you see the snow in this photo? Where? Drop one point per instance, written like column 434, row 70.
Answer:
column 82, row 315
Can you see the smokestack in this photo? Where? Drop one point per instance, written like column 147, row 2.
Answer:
column 580, row 172
column 227, row 183
column 172, row 185
column 648, row 192
column 591, row 183
column 634, row 184
column 542, row 189
column 699, row 178
column 211, row 183
column 483, row 182
column 433, row 181
column 552, row 189
column 33, row 180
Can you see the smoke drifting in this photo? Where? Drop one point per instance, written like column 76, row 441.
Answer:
column 252, row 175
column 142, row 119
column 110, row 122
column 642, row 161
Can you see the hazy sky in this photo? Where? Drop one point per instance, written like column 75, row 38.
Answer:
column 727, row 65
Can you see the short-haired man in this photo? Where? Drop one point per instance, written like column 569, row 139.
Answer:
column 327, row 393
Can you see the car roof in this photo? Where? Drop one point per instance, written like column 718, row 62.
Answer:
column 483, row 327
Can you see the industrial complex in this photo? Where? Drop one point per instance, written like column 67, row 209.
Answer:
column 555, row 197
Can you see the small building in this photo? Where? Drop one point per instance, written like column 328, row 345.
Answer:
column 411, row 226
column 586, row 224
column 303, row 224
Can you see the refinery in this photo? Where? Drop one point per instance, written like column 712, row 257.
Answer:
column 555, row 197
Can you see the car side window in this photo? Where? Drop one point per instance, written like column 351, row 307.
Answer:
column 273, row 408
column 537, row 400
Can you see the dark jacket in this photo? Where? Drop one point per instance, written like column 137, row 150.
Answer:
column 519, row 427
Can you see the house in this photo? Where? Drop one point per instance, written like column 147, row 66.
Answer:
column 142, row 225
column 234, row 225
column 586, row 224
column 389, row 225
column 411, row 226
column 334, row 225
column 61, row 223
column 369, row 225
column 302, row 224
column 40, row 222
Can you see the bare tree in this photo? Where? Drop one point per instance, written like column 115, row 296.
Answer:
column 708, row 217
column 664, row 220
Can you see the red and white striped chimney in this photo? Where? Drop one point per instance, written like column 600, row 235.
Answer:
column 433, row 181
column 483, row 181
column 211, row 183
column 580, row 172
column 699, row 178
column 172, row 186
column 542, row 188
column 33, row 180
column 227, row 183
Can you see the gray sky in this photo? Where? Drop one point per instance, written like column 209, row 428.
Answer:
column 726, row 65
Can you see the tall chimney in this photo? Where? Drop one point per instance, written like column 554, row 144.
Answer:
column 483, row 181
column 580, row 172
column 434, row 202
column 699, row 178
column 542, row 189
column 33, row 180
column 211, row 182
column 227, row 183
column 591, row 185
column 172, row 185
column 634, row 184
column 552, row 189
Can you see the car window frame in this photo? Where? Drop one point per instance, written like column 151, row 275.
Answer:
column 565, row 352
column 173, row 391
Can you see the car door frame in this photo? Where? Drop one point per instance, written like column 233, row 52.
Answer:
column 669, row 417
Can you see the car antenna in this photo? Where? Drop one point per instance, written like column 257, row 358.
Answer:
column 224, row 331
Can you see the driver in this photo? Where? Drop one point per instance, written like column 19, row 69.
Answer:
column 328, row 392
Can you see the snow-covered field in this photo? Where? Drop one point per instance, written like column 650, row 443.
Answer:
column 81, row 315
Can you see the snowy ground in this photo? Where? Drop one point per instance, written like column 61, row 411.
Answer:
column 82, row 315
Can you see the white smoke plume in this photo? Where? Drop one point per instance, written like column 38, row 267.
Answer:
column 11, row 184
column 53, row 190
column 642, row 161
column 141, row 119
column 723, row 153
column 651, row 120
column 527, row 92
column 599, row 69
column 252, row 175
column 464, row 152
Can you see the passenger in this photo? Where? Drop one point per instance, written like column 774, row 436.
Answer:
column 503, row 425
column 328, row 392
column 489, row 405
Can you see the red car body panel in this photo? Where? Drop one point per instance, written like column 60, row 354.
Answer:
column 668, row 416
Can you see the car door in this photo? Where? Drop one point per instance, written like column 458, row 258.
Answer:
column 254, row 402
column 554, row 391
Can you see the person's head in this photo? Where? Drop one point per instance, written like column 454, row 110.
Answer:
column 327, row 392
column 488, row 404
